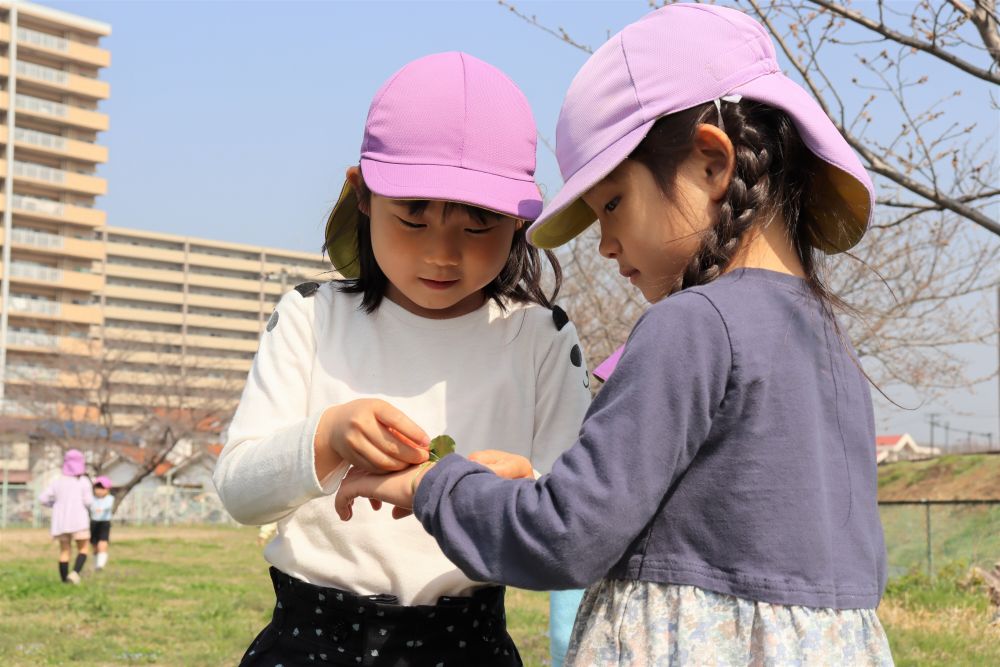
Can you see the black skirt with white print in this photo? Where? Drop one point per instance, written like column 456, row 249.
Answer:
column 313, row 625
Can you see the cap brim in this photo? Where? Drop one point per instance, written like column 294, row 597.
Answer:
column 566, row 216
column 842, row 198
column 342, row 233
column 508, row 196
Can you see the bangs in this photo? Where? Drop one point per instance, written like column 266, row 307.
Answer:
column 481, row 215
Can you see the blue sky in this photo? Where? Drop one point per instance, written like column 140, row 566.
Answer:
column 235, row 120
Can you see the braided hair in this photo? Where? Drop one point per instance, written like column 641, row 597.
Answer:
column 771, row 178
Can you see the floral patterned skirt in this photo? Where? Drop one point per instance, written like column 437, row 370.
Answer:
column 648, row 624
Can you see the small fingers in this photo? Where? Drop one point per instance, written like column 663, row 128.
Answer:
column 401, row 512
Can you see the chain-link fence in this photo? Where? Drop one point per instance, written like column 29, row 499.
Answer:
column 924, row 535
column 164, row 505
column 927, row 535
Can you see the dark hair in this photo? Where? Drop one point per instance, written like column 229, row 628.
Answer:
column 773, row 174
column 519, row 280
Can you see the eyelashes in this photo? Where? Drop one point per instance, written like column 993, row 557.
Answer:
column 612, row 205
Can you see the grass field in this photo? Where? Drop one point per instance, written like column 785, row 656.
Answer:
column 196, row 596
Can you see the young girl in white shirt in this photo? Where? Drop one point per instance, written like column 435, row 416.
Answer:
column 439, row 327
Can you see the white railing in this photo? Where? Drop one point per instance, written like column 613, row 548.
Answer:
column 39, row 306
column 37, row 104
column 43, row 139
column 49, row 74
column 34, row 373
column 42, row 39
column 41, row 172
column 39, row 239
column 36, row 272
column 40, row 205
column 32, row 339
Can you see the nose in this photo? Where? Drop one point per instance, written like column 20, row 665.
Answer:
column 444, row 250
column 609, row 246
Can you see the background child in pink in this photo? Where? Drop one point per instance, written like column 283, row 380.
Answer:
column 70, row 497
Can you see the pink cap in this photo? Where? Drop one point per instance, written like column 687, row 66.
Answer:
column 103, row 481
column 673, row 59
column 451, row 127
column 73, row 463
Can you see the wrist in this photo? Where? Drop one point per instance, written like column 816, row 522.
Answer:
column 419, row 475
column 325, row 455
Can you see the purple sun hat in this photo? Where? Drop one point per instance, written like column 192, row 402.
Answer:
column 446, row 127
column 673, row 59
column 73, row 463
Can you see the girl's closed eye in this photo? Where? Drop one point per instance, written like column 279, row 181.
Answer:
column 410, row 225
column 477, row 231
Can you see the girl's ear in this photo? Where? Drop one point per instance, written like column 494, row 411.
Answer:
column 357, row 182
column 715, row 158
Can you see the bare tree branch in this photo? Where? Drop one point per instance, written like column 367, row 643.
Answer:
column 907, row 40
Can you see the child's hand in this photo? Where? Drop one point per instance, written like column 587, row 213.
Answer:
column 395, row 488
column 369, row 434
column 504, row 464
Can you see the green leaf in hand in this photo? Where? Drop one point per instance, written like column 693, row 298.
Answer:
column 442, row 446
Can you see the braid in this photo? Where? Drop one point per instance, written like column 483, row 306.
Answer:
column 746, row 198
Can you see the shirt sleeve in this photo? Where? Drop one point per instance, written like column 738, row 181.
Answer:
column 567, row 529
column 87, row 493
column 48, row 497
column 562, row 396
column 267, row 469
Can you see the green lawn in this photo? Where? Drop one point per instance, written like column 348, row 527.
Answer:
column 196, row 596
column 188, row 596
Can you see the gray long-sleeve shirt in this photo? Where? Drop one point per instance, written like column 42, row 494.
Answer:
column 732, row 449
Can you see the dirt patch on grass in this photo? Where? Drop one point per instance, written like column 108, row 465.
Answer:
column 975, row 476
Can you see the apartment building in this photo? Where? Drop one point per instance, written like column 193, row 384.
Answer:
column 176, row 306
column 50, row 120
column 72, row 287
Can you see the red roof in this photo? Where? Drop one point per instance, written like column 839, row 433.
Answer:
column 887, row 440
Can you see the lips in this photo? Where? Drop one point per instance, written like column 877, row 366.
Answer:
column 438, row 284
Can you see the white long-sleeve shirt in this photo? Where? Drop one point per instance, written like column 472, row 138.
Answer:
column 491, row 379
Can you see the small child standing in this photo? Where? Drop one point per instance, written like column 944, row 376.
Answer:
column 100, row 521
column 69, row 497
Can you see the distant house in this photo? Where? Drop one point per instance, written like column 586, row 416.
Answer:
column 891, row 448
column 193, row 471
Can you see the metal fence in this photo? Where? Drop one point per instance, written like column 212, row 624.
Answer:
column 160, row 506
column 919, row 535
column 926, row 535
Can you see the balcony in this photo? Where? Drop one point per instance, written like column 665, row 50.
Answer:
column 56, row 111
column 147, row 316
column 53, row 211
column 54, row 244
column 50, row 310
column 146, row 252
column 55, row 145
column 227, row 323
column 221, row 261
column 62, row 48
column 32, row 340
column 37, row 275
column 57, row 80
column 219, row 342
column 58, row 179
column 143, row 294
column 32, row 374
